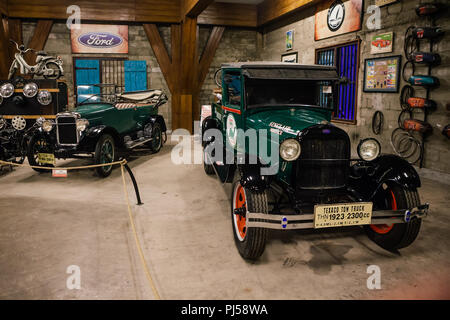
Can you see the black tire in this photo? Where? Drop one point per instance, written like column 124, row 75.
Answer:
column 209, row 168
column 54, row 66
column 103, row 154
column 35, row 146
column 400, row 235
column 251, row 245
column 156, row 144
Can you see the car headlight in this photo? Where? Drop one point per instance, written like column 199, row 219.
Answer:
column 6, row 90
column 290, row 150
column 44, row 97
column 30, row 90
column 82, row 124
column 47, row 125
column 369, row 149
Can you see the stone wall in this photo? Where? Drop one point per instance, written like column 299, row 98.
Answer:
column 395, row 17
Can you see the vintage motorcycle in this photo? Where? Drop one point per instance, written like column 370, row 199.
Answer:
column 14, row 138
column 49, row 67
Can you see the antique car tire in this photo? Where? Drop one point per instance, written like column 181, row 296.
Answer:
column 105, row 146
column 250, row 242
column 397, row 236
column 55, row 67
column 209, row 168
column 156, row 144
column 32, row 154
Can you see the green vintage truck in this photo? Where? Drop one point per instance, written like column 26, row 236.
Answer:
column 300, row 174
column 101, row 127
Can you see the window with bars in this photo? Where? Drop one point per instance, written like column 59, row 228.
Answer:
column 126, row 75
column 345, row 59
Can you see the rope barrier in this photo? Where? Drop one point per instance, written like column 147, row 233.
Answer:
column 122, row 163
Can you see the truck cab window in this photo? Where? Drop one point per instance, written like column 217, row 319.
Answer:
column 233, row 88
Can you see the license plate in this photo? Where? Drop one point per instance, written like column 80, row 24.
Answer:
column 342, row 215
column 46, row 158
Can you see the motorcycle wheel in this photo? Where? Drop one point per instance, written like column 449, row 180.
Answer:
column 57, row 73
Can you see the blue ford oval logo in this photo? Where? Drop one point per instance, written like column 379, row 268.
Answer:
column 100, row 40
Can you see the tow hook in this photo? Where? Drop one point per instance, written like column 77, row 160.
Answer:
column 240, row 211
column 418, row 212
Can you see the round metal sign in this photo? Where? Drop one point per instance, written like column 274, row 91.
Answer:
column 336, row 15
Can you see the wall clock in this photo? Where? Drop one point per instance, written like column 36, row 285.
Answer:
column 336, row 15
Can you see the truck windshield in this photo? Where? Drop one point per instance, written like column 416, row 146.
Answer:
column 289, row 93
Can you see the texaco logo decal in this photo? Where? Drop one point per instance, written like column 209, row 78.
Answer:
column 231, row 130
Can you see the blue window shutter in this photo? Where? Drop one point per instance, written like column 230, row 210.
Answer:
column 87, row 74
column 135, row 75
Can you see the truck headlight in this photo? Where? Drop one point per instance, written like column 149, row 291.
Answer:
column 30, row 90
column 6, row 90
column 369, row 149
column 290, row 150
column 82, row 124
column 44, row 97
column 2, row 123
column 47, row 125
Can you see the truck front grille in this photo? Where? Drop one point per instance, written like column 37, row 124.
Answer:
column 66, row 130
column 325, row 159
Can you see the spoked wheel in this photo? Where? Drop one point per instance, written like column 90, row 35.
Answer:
column 396, row 236
column 56, row 70
column 104, row 154
column 250, row 242
column 157, row 142
column 38, row 145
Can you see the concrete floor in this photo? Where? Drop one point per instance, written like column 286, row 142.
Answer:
column 48, row 224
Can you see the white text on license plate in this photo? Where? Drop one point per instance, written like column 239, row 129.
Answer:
column 342, row 215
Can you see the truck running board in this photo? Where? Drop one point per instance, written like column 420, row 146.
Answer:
column 135, row 143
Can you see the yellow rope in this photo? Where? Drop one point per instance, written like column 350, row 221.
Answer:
column 130, row 215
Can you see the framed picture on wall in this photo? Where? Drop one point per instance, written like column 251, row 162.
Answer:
column 290, row 40
column 382, row 74
column 382, row 43
column 291, row 57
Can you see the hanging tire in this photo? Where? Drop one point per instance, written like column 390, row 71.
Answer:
column 157, row 142
column 105, row 152
column 209, row 168
column 35, row 146
column 396, row 236
column 250, row 242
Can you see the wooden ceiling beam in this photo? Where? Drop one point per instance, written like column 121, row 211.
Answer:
column 193, row 8
column 4, row 53
column 230, row 14
column 39, row 39
column 271, row 10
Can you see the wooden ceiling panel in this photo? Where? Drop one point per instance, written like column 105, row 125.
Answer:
column 229, row 14
column 270, row 10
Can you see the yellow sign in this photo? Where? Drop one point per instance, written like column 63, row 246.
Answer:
column 46, row 158
column 342, row 215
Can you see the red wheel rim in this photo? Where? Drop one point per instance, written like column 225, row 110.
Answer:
column 239, row 202
column 385, row 228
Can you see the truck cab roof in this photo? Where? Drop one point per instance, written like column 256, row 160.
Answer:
column 284, row 71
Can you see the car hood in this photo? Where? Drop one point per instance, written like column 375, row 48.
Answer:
column 287, row 122
column 93, row 110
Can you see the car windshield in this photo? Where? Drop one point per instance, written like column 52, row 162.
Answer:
column 289, row 93
column 97, row 98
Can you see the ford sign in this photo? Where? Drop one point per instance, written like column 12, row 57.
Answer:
column 100, row 40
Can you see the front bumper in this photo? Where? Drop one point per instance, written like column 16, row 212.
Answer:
column 306, row 221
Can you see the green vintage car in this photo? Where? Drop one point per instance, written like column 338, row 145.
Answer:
column 269, row 133
column 101, row 127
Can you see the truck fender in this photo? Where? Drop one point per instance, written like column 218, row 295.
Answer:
column 252, row 179
column 389, row 169
column 208, row 123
